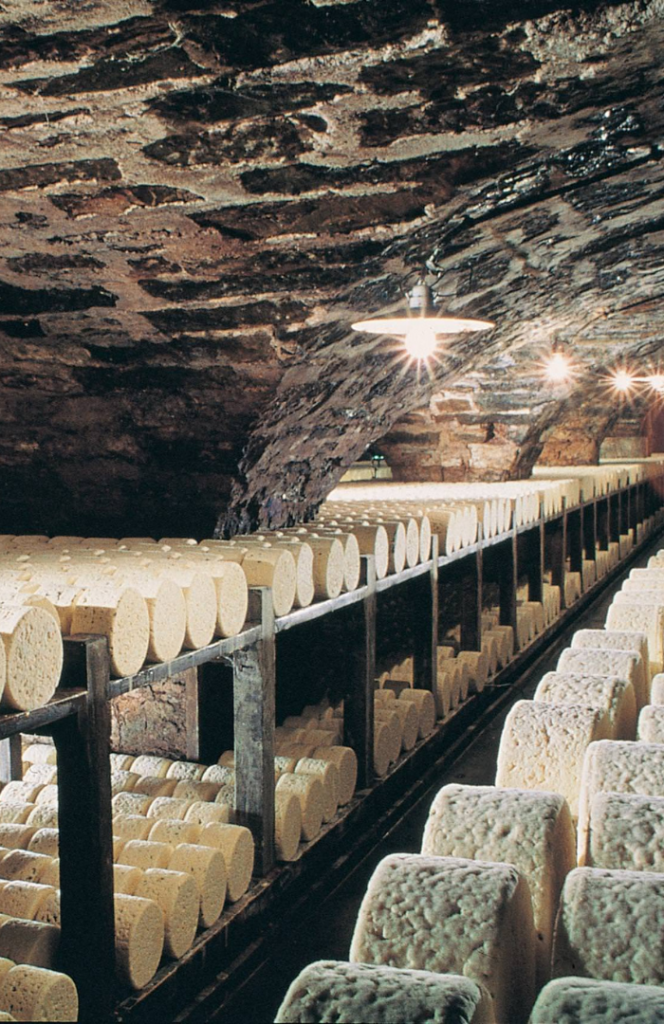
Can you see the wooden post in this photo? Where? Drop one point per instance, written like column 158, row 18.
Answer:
column 590, row 530
column 555, row 553
column 253, row 715
column 614, row 516
column 603, row 528
column 531, row 559
column 575, row 540
column 11, row 768
column 426, row 655
column 192, row 719
column 359, row 694
column 87, row 950
column 507, row 578
column 471, row 603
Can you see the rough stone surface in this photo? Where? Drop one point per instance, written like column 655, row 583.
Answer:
column 199, row 199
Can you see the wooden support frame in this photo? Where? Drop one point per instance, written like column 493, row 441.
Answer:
column 589, row 521
column 575, row 540
column 555, row 546
column 11, row 767
column 359, row 693
column 471, row 603
column 530, row 559
column 603, row 516
column 425, row 658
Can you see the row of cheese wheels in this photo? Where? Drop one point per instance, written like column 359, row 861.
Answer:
column 36, row 993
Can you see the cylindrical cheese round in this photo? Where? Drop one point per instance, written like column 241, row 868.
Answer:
column 33, row 993
column 382, row 748
column 23, row 899
column 131, row 803
column 393, row 722
column 42, row 816
column 287, row 825
column 426, row 708
column 153, row 787
column 201, row 813
column 451, row 915
column 625, row 832
column 151, row 765
column 126, row 879
column 142, row 853
column 407, row 710
column 577, row 1000
column 120, row 615
column 237, row 845
column 167, row 611
column 130, row 826
column 345, row 759
column 168, row 807
column 29, row 942
column 31, row 661
column 650, row 725
column 24, row 865
column 14, row 836
column 611, row 695
column 15, row 813
column 328, row 774
column 176, row 894
column 185, row 770
column 274, row 568
column 190, row 789
column 46, row 841
column 139, row 939
column 40, row 753
column 174, row 832
column 207, row 867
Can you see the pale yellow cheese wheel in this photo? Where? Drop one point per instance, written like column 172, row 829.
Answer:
column 287, row 825
column 186, row 770
column 23, row 899
column 33, row 655
column 274, row 568
column 49, row 909
column 328, row 774
column 139, row 939
column 123, row 782
column 345, row 759
column 152, row 765
column 329, row 565
column 122, row 762
column 309, row 791
column 176, row 894
column 410, row 722
column 47, row 795
column 42, row 816
column 14, row 836
column 131, row 803
column 391, row 718
column 237, row 846
column 122, row 616
column 383, row 744
column 168, row 807
column 202, row 813
column 207, row 867
column 230, row 583
column 173, row 832
column 46, row 841
column 152, row 787
column 191, row 790
column 5, row 965
column 24, row 865
column 34, row 993
column 142, row 853
column 167, row 610
column 15, row 813
column 131, row 826
column 51, row 875
column 29, row 942
column 40, row 753
column 119, row 843
column 126, row 879
column 426, row 707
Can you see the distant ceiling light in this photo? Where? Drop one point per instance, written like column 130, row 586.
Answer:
column 558, row 367
column 656, row 381
column 623, row 381
column 420, row 329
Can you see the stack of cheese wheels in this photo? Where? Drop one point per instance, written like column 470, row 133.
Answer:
column 352, row 555
column 328, row 774
column 493, row 943
column 615, row 640
column 542, row 747
column 625, row 831
column 532, row 831
column 424, row 702
column 31, row 655
column 167, row 613
column 33, row 993
column 619, row 767
column 310, row 793
column 207, row 867
column 602, row 662
column 407, row 712
column 333, row 990
column 650, row 725
column 175, row 893
column 609, row 694
column 630, row 613
column 230, row 583
column 572, row 587
column 328, row 563
column 29, row 942
column 609, row 926
column 478, row 669
column 504, row 636
column 383, row 715
column 139, row 939
column 236, row 843
column 345, row 760
column 576, row 1000
column 200, row 597
column 120, row 614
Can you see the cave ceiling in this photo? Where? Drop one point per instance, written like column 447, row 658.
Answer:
column 197, row 199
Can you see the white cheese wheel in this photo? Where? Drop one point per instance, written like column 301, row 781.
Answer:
column 176, row 894
column 33, row 993
column 142, row 853
column 122, row 616
column 24, row 865
column 580, row 1000
column 131, row 826
column 237, row 845
column 126, row 879
column 168, row 807
column 627, row 613
column 150, row 764
column 29, row 942
column 31, row 662
column 426, row 708
column 328, row 774
column 14, row 836
column 444, row 696
column 309, row 791
column 207, row 867
column 219, row 774
column 625, row 831
column 174, row 832
column 40, row 753
column 373, row 540
column 42, row 816
column 532, row 831
column 185, row 770
column 19, row 792
column 49, row 909
column 657, row 689
column 121, row 762
column 451, row 915
column 139, row 939
column 609, row 926
column 333, row 990
column 275, row 568
column 123, row 782
column 200, row 597
column 611, row 695
column 287, row 825
column 45, row 840
column 542, row 747
column 14, row 813
column 190, row 789
column 167, row 611
column 201, row 813
column 47, row 795
column 131, row 803
column 619, row 767
column 651, row 724
column 346, row 761
column 23, row 899
column 51, row 875
column 619, row 640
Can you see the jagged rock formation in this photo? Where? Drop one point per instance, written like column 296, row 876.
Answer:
column 199, row 198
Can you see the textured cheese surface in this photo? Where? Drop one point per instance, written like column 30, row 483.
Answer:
column 331, row 990
column 33, row 650
column 19, row 792
column 533, row 831
column 628, row 615
column 657, row 689
column 345, row 759
column 122, row 616
column 13, row 835
column 42, row 816
column 309, row 791
column 450, row 915
column 201, row 813
column 609, row 694
column 152, row 787
column 625, row 832
column 542, row 747
column 14, row 813
column 207, row 868
column 478, row 668
column 597, row 661
column 23, row 899
column 141, row 853
column 191, row 789
column 610, row 926
column 131, row 803
column 29, row 942
column 237, row 845
column 33, row 993
column 168, row 807
column 426, row 708
column 41, row 774
column 185, row 770
column 45, row 840
column 40, row 753
column 391, row 719
column 176, row 894
column 287, row 825
column 126, row 879
column 651, row 724
column 382, row 748
column 149, row 764
column 614, row 640
column 24, row 865
column 410, row 722
column 122, row 762
column 49, row 909
column 583, row 1000
column 174, row 831
column 131, row 826
column 47, row 795
column 123, row 782
column 328, row 773
column 276, row 568
column 219, row 773
column 613, row 766
column 139, row 939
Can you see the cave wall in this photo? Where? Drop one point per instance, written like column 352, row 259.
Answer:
column 196, row 201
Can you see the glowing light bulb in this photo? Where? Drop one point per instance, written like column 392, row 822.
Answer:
column 656, row 381
column 420, row 341
column 622, row 381
column 558, row 368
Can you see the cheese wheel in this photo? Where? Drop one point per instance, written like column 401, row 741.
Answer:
column 33, row 993
column 168, row 807
column 408, row 713
column 119, row 843
column 287, row 825
column 237, row 845
column 126, row 879
column 14, row 836
column 275, row 568
column 328, row 774
column 167, row 611
column 443, row 696
column 189, row 789
column 24, row 865
column 174, row 832
column 577, row 1000
column 207, row 867
column 478, row 668
column 200, row 597
column 393, row 722
column 131, row 803
column 603, row 662
column 542, row 747
column 14, row 813
column 615, row 640
column 201, row 813
column 490, row 650
column 51, row 876
column 630, row 613
column 532, row 831
column 219, row 774
column 29, row 942
column 185, row 770
column 625, row 831
column 42, row 816
column 48, row 911
column 176, row 894
column 650, row 725
column 332, row 990
column 47, row 795
column 122, row 616
column 352, row 559
column 139, row 939
column 613, row 696
column 142, row 853
column 152, row 787
column 5, row 965
column 507, row 635
column 40, row 753
column 230, row 583
column 426, row 708
column 131, row 826
column 123, row 782
column 23, row 899
column 609, row 926
column 149, row 764
column 121, row 762
column 382, row 748
column 657, row 689
column 346, row 761
column 451, row 915
column 45, row 840
column 31, row 661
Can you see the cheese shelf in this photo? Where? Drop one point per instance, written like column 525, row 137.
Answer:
column 78, row 718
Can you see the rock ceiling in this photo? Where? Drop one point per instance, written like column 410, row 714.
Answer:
column 197, row 199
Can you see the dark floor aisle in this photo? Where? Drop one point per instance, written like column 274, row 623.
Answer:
column 326, row 932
